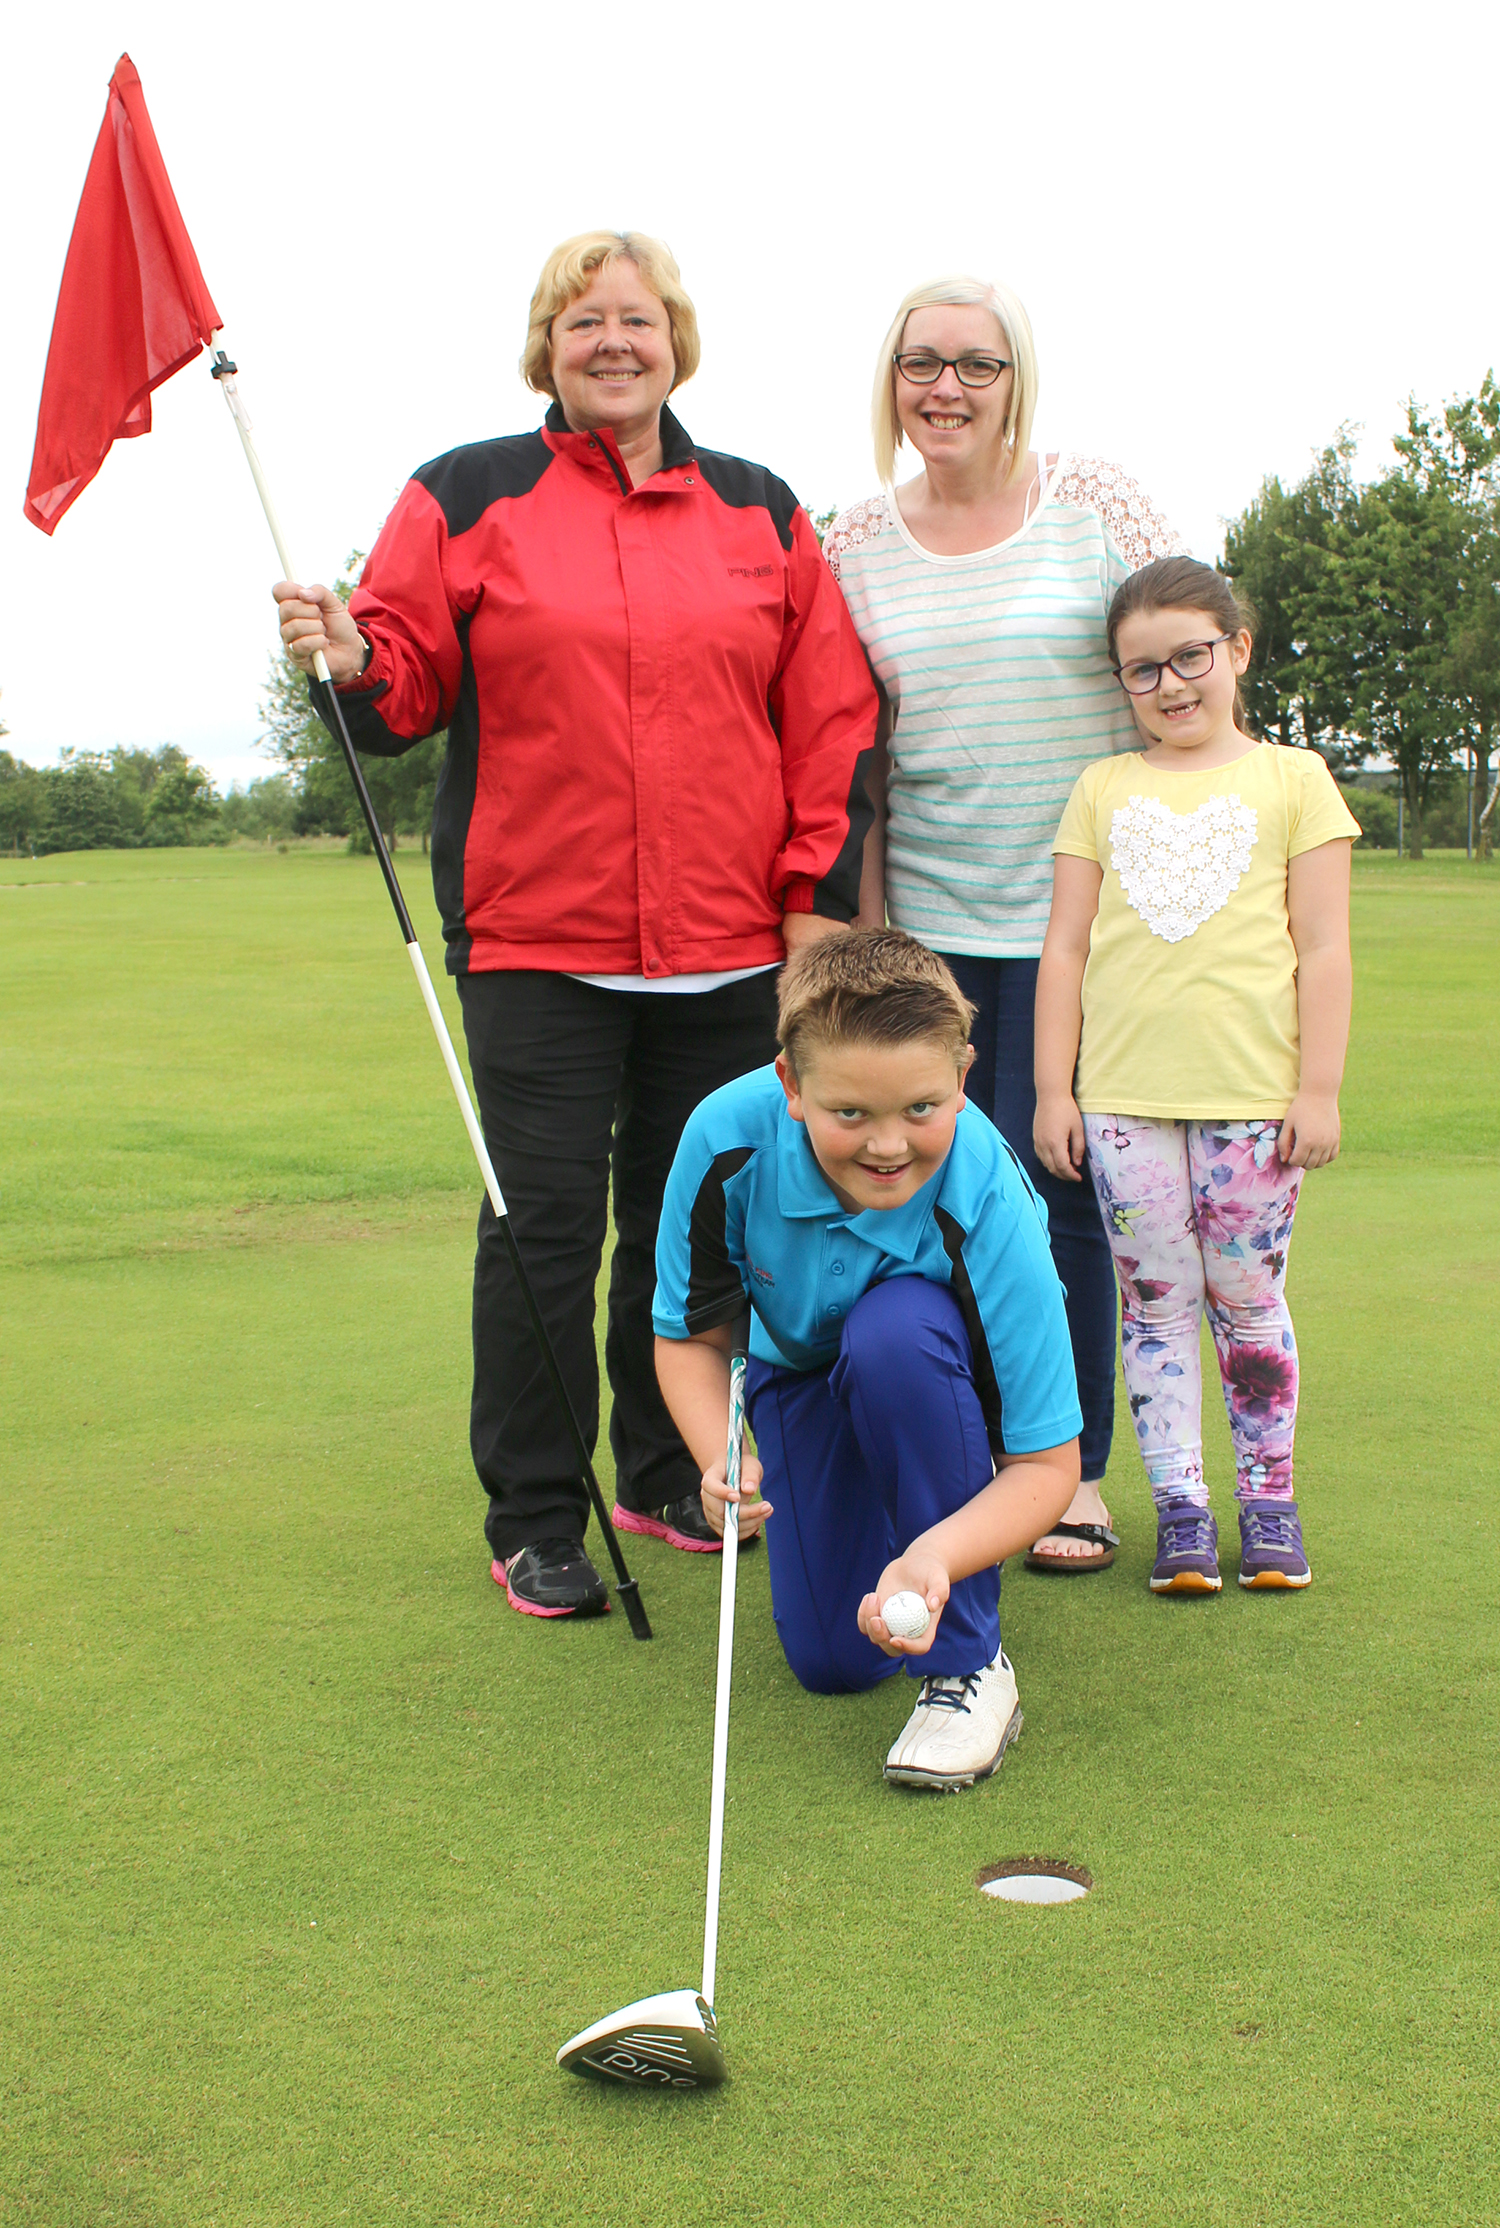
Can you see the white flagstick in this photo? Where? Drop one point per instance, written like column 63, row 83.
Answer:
column 635, row 1609
column 241, row 416
column 728, row 1572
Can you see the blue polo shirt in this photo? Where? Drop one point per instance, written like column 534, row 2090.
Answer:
column 748, row 1210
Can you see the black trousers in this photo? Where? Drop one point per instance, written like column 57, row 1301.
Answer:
column 576, row 1084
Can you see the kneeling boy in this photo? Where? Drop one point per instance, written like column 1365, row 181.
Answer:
column 911, row 1381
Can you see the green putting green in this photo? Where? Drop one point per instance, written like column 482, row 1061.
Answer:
column 312, row 1853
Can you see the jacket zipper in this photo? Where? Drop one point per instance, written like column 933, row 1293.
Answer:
column 618, row 470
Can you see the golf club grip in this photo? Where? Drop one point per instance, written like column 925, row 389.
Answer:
column 626, row 1586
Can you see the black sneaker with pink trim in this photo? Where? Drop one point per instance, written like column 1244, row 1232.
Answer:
column 681, row 1524
column 552, row 1579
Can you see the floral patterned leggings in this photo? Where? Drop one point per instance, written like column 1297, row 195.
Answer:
column 1199, row 1216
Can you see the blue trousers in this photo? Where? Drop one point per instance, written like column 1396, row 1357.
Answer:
column 859, row 1458
column 1002, row 1084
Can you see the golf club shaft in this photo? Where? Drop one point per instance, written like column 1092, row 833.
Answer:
column 626, row 1587
column 728, row 1575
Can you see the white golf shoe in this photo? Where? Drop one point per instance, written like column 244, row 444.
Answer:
column 959, row 1730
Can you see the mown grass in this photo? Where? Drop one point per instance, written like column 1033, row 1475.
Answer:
column 311, row 1853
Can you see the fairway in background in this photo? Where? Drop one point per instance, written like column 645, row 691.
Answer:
column 313, row 1852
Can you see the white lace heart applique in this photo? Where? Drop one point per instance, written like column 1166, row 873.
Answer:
column 1178, row 869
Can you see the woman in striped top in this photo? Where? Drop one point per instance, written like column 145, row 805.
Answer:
column 979, row 589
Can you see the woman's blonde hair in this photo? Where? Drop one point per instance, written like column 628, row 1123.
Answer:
column 566, row 274
column 1015, row 325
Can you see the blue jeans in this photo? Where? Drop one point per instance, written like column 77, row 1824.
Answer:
column 859, row 1458
column 1002, row 1085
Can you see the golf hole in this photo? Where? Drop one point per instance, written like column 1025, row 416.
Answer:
column 1034, row 1880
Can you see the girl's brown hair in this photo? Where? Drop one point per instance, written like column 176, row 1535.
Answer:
column 1181, row 584
column 1178, row 584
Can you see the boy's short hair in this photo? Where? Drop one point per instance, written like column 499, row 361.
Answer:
column 869, row 986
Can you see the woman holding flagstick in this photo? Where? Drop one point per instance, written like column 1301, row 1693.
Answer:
column 659, row 717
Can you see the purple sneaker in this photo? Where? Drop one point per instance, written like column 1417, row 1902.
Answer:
column 1271, row 1552
column 1187, row 1550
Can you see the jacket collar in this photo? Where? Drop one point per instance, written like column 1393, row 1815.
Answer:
column 599, row 451
column 803, row 1194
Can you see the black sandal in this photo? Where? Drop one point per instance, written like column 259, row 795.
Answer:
column 1073, row 1565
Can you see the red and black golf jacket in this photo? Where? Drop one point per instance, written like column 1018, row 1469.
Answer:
column 659, row 714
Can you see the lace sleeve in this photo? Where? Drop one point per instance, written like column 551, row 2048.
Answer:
column 860, row 523
column 1128, row 515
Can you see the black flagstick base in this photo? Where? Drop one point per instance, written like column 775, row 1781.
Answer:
column 626, row 1587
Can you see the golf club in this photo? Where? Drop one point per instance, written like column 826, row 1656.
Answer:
column 629, row 1592
column 671, row 2041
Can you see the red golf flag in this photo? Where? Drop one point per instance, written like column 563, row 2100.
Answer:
column 132, row 308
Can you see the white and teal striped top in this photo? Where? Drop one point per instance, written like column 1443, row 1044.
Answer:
column 998, row 676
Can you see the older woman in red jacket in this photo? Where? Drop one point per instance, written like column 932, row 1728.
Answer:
column 659, row 720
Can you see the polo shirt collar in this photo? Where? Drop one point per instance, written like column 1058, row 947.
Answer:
column 803, row 1194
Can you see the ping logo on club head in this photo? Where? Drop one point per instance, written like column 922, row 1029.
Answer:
column 621, row 2064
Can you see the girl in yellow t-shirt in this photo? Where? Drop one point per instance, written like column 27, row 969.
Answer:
column 1192, row 1014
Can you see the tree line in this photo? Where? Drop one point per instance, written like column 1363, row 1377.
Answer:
column 1378, row 644
column 123, row 799
column 1379, row 610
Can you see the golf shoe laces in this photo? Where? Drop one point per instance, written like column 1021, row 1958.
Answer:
column 949, row 1694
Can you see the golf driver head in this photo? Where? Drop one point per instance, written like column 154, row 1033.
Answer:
column 663, row 2042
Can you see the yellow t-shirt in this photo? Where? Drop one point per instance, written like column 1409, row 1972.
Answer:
column 1190, row 992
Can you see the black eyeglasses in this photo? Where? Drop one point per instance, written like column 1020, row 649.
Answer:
column 1190, row 663
column 921, row 366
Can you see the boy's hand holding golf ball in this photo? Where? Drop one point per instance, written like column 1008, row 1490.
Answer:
column 716, row 1496
column 901, row 1616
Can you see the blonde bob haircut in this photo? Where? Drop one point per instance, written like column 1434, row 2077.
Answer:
column 566, row 274
column 1015, row 326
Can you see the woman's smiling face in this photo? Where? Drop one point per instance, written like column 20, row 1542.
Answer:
column 612, row 362
column 949, row 423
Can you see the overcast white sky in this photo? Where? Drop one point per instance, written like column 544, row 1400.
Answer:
column 1234, row 227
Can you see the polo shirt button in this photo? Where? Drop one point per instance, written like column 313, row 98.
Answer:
column 835, row 1311
column 838, row 1268
column 688, row 480
column 593, row 444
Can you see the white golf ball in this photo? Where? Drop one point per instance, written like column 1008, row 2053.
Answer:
column 907, row 1616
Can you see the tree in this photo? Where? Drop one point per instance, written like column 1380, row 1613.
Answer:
column 20, row 802
column 183, row 805
column 1472, row 674
column 164, row 798
column 401, row 789
column 1275, row 553
column 1378, row 623
column 1409, row 563
column 1465, row 456
column 263, row 811
column 81, row 806
column 1377, row 604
